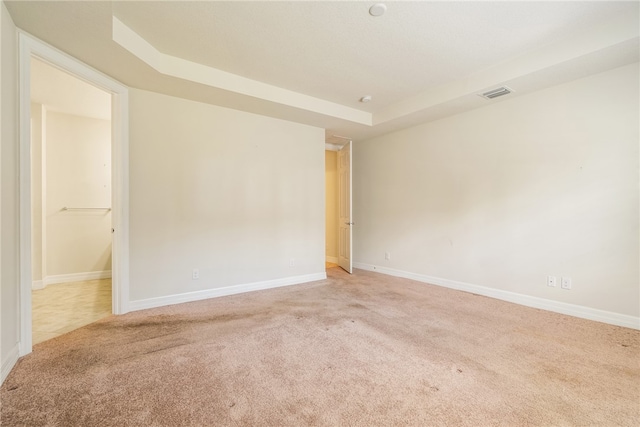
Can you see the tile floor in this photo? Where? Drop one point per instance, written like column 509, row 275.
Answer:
column 63, row 307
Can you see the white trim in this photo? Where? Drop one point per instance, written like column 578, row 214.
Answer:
column 72, row 277
column 526, row 300
column 8, row 363
column 332, row 147
column 2, row 12
column 30, row 46
column 24, row 96
column 120, row 200
column 333, row 259
column 221, row 292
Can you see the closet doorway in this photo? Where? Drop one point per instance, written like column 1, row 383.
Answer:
column 70, row 202
column 338, row 215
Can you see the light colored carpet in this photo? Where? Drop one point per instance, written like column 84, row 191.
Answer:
column 359, row 350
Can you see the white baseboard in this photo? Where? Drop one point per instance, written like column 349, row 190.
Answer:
column 8, row 363
column 526, row 300
column 220, row 292
column 333, row 259
column 72, row 277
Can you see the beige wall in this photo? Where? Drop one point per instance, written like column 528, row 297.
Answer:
column 9, row 223
column 331, row 203
column 78, row 170
column 233, row 194
column 503, row 196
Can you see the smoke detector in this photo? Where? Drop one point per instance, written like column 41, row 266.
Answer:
column 378, row 9
column 494, row 93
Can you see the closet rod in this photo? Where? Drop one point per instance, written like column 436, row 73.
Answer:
column 85, row 209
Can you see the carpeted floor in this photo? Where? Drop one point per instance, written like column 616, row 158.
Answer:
column 361, row 350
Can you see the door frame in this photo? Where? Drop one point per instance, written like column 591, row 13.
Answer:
column 345, row 202
column 29, row 47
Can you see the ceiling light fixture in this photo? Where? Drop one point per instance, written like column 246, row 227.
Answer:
column 378, row 9
column 365, row 98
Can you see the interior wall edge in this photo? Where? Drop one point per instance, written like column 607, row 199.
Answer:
column 9, row 362
column 9, row 195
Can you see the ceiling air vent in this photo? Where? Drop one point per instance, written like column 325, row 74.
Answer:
column 496, row 92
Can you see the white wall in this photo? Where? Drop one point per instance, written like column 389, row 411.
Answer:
column 503, row 196
column 78, row 170
column 9, row 222
column 233, row 194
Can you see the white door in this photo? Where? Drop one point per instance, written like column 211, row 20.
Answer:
column 344, row 208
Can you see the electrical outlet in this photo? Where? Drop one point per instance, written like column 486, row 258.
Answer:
column 551, row 281
column 195, row 274
column 565, row 283
column 387, row 256
column 292, row 262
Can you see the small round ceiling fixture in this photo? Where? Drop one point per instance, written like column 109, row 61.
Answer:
column 378, row 9
column 365, row 98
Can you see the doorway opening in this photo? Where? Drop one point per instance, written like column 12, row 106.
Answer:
column 116, row 206
column 70, row 202
column 338, row 215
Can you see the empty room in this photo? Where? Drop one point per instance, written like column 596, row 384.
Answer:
column 323, row 213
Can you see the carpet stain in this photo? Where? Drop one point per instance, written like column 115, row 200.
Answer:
column 356, row 305
column 166, row 324
column 164, row 348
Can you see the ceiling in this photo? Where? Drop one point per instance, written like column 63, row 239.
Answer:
column 311, row 62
